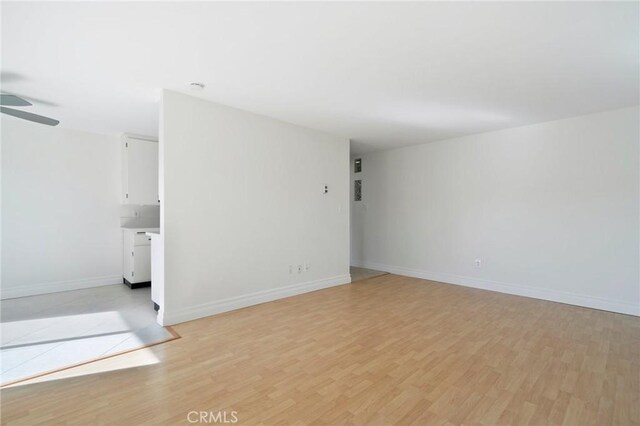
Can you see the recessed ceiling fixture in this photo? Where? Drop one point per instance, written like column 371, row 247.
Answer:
column 196, row 86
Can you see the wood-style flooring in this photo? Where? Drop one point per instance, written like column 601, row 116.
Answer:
column 386, row 350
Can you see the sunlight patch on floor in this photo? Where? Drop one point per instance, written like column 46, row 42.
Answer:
column 139, row 358
column 42, row 334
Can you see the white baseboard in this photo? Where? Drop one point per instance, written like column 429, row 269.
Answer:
column 518, row 290
column 55, row 287
column 233, row 303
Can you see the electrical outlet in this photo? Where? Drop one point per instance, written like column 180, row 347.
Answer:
column 478, row 263
column 306, row 266
column 299, row 269
column 290, row 269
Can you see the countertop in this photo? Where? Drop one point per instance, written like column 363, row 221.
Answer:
column 136, row 229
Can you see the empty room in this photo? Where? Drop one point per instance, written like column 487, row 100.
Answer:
column 320, row 213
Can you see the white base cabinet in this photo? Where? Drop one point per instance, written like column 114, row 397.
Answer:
column 136, row 260
column 157, row 270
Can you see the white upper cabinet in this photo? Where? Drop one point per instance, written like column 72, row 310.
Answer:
column 140, row 170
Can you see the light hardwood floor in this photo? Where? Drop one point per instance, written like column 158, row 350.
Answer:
column 387, row 350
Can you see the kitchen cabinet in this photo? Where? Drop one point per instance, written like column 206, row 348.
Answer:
column 139, row 170
column 157, row 269
column 136, row 259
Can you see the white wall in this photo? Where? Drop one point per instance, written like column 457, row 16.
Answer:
column 241, row 200
column 60, row 209
column 552, row 211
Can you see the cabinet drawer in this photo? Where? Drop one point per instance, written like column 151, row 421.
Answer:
column 141, row 239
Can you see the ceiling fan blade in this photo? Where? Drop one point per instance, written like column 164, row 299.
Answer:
column 29, row 116
column 13, row 100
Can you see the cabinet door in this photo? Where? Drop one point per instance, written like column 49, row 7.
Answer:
column 127, row 256
column 141, row 264
column 141, row 171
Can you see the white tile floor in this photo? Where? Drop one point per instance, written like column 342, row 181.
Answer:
column 43, row 333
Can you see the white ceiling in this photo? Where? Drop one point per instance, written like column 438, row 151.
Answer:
column 382, row 74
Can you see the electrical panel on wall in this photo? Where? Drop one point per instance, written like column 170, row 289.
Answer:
column 357, row 191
